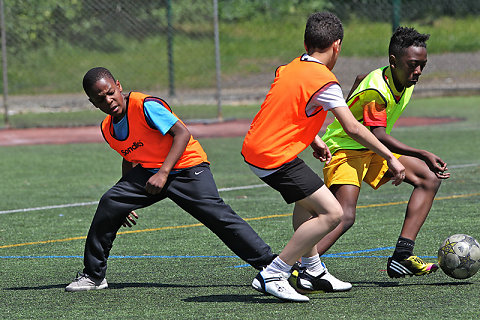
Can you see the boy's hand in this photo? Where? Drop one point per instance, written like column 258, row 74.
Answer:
column 437, row 165
column 397, row 170
column 320, row 150
column 156, row 182
column 129, row 221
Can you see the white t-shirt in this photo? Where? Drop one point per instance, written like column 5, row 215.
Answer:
column 329, row 97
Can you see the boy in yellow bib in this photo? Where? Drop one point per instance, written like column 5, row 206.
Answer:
column 377, row 102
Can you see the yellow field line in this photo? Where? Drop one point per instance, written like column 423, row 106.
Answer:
column 248, row 219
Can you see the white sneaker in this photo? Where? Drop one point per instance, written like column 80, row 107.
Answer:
column 325, row 282
column 277, row 285
column 83, row 282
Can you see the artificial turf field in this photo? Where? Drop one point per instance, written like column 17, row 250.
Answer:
column 170, row 267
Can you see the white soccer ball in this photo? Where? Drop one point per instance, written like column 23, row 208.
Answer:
column 459, row 256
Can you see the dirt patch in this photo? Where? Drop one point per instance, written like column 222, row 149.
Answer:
column 230, row 128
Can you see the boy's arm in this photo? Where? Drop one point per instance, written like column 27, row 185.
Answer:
column 321, row 150
column 181, row 136
column 435, row 163
column 362, row 135
column 355, row 84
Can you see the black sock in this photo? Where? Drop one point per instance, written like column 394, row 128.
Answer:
column 403, row 249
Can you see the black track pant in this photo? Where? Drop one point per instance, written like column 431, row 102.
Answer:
column 192, row 189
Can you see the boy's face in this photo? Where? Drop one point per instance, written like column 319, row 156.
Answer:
column 408, row 68
column 106, row 95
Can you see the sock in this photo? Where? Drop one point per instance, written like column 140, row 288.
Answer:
column 403, row 249
column 313, row 264
column 277, row 265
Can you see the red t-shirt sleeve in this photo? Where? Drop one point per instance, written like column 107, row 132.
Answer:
column 374, row 115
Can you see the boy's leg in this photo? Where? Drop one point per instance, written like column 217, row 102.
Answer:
column 326, row 214
column 425, row 186
column 312, row 275
column 195, row 191
column 126, row 195
column 347, row 196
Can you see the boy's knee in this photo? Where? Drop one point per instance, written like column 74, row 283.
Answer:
column 335, row 216
column 348, row 218
column 430, row 182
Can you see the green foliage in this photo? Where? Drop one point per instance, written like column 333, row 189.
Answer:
column 231, row 10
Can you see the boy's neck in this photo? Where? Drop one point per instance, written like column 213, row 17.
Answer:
column 398, row 86
column 323, row 57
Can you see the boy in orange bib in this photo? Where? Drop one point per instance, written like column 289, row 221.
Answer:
column 160, row 160
column 288, row 122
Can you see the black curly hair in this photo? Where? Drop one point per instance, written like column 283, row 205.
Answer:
column 93, row 75
column 403, row 38
column 322, row 29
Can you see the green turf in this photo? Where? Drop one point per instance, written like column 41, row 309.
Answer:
column 209, row 287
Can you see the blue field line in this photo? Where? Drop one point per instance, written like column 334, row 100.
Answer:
column 346, row 255
column 334, row 255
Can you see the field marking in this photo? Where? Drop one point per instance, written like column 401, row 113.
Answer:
column 82, row 204
column 246, row 219
column 351, row 254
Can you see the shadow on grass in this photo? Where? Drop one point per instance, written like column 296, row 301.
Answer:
column 119, row 285
column 389, row 284
column 264, row 299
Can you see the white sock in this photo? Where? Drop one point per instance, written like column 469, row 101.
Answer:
column 313, row 264
column 277, row 265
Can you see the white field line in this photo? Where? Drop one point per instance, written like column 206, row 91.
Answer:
column 82, row 204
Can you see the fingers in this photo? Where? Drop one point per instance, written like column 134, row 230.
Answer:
column 442, row 175
column 398, row 178
column 129, row 221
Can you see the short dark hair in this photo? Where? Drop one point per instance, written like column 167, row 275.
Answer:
column 403, row 38
column 93, row 75
column 322, row 29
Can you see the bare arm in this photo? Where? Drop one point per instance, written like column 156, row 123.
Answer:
column 362, row 135
column 181, row 136
column 435, row 163
column 320, row 150
column 355, row 84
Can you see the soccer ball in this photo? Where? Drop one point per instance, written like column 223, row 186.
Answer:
column 459, row 256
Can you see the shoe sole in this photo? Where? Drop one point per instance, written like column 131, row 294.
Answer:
column 257, row 286
column 78, row 289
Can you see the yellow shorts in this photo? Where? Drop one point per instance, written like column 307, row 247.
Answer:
column 354, row 166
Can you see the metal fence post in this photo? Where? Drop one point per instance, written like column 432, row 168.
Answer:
column 396, row 7
column 217, row 60
column 4, row 65
column 171, row 74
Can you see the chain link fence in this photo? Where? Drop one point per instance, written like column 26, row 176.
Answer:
column 168, row 47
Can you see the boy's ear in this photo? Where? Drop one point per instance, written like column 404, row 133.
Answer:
column 337, row 45
column 392, row 60
column 119, row 85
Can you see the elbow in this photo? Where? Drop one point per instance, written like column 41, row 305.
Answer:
column 352, row 130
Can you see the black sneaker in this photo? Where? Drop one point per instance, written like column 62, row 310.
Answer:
column 304, row 282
